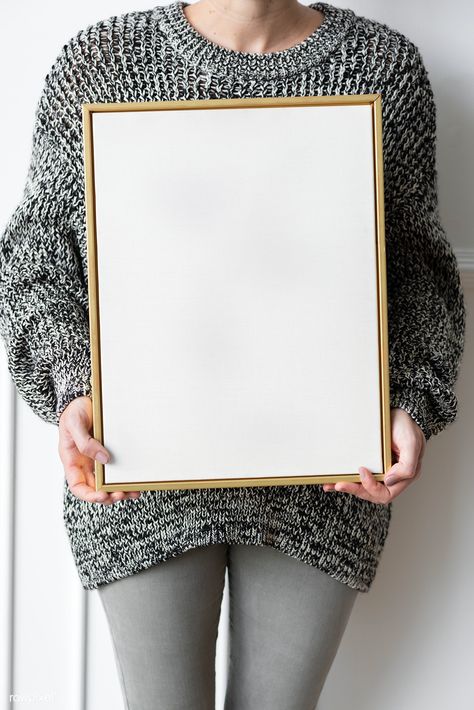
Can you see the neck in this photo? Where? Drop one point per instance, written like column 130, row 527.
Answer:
column 253, row 25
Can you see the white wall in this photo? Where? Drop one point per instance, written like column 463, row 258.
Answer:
column 409, row 641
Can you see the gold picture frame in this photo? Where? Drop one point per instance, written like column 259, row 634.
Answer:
column 370, row 120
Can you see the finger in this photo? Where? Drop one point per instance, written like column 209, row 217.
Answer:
column 82, row 481
column 90, row 495
column 406, row 466
column 82, row 484
column 85, row 442
column 355, row 489
column 380, row 493
column 395, row 489
column 376, row 489
column 384, row 497
column 77, row 482
column 348, row 487
column 359, row 491
column 371, row 489
column 113, row 496
column 408, row 460
column 375, row 494
column 91, row 482
column 400, row 472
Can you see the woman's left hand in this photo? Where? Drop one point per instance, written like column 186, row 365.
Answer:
column 408, row 445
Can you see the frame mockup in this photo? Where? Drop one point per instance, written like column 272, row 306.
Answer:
column 237, row 291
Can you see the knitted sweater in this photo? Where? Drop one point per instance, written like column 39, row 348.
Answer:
column 154, row 55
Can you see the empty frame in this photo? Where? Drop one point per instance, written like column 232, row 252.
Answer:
column 237, row 291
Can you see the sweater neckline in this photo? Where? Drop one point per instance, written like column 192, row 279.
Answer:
column 200, row 51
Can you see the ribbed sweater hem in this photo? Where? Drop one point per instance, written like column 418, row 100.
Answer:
column 243, row 517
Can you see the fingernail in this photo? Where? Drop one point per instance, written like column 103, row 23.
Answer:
column 101, row 457
column 390, row 480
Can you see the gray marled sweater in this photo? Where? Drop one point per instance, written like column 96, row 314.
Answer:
column 156, row 54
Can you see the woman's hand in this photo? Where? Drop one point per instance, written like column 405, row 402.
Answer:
column 78, row 449
column 408, row 445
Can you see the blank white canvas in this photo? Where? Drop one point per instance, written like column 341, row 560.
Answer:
column 237, row 292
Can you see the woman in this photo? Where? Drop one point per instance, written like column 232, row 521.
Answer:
column 297, row 555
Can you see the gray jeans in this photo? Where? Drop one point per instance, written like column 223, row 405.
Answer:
column 286, row 622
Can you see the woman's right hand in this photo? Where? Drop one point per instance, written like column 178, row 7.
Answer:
column 77, row 451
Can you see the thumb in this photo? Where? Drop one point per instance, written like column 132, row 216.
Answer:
column 79, row 426
column 400, row 471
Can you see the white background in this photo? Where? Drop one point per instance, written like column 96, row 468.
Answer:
column 408, row 643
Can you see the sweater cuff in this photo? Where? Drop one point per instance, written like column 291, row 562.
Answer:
column 68, row 386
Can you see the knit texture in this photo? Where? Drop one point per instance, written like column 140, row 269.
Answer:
column 154, row 55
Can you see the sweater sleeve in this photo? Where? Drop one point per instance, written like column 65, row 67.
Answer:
column 43, row 288
column 426, row 309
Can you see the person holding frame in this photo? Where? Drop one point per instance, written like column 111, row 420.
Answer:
column 296, row 555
